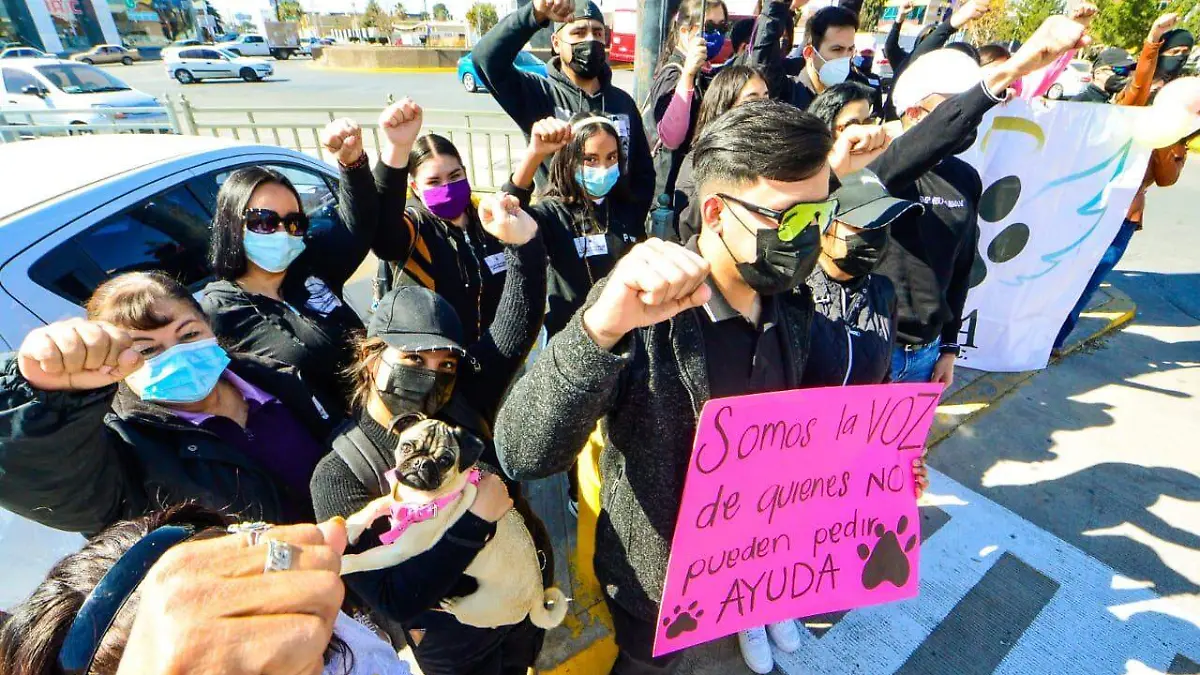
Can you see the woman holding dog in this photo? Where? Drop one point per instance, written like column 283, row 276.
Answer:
column 414, row 364
column 137, row 407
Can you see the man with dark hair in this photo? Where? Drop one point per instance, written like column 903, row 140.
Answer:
column 578, row 80
column 670, row 328
column 828, row 54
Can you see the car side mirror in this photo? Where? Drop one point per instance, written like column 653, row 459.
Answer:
column 34, row 90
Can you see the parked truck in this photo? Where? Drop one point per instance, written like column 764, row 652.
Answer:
column 282, row 40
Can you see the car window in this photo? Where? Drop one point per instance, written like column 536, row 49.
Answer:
column 254, row 38
column 16, row 80
column 189, row 54
column 79, row 78
column 167, row 232
column 213, row 55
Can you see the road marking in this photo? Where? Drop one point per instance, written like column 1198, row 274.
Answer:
column 1093, row 622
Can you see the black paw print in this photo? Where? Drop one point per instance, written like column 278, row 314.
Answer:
column 998, row 200
column 683, row 621
column 887, row 562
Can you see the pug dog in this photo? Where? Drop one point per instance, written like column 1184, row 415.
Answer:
column 433, row 485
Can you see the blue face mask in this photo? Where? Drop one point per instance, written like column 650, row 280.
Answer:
column 272, row 252
column 185, row 373
column 598, row 182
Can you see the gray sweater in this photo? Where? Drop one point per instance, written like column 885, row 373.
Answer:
column 647, row 394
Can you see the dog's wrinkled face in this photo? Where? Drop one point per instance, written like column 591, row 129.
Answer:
column 431, row 454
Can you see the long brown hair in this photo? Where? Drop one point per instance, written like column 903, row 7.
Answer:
column 691, row 14
column 562, row 184
column 723, row 93
column 134, row 300
column 361, row 372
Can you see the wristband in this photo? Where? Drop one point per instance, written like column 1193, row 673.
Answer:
column 950, row 348
column 356, row 164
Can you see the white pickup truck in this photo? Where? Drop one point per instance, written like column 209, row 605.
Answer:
column 281, row 41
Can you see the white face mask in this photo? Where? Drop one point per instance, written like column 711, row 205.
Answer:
column 835, row 71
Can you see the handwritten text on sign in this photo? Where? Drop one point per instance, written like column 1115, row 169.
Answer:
column 796, row 503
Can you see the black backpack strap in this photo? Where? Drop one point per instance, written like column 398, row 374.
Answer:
column 365, row 460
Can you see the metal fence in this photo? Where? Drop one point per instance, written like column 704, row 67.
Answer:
column 488, row 141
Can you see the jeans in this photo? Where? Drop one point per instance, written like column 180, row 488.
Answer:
column 1116, row 250
column 915, row 364
column 635, row 643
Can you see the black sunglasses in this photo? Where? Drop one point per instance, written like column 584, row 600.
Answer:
column 105, row 601
column 266, row 221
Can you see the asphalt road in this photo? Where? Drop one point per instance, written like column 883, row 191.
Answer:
column 297, row 82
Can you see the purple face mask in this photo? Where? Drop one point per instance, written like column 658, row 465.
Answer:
column 448, row 201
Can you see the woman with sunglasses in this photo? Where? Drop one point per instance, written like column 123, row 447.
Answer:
column 138, row 578
column 138, row 407
column 434, row 240
column 696, row 44
column 279, row 283
column 585, row 212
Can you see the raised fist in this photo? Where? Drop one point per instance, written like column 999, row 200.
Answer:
column 400, row 123
column 342, row 138
column 77, row 355
column 548, row 136
column 502, row 217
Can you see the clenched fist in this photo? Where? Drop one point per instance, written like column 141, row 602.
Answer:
column 503, row 218
column 400, row 123
column 342, row 138
column 653, row 282
column 553, row 10
column 548, row 136
column 77, row 355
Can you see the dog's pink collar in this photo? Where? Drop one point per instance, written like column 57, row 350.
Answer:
column 403, row 515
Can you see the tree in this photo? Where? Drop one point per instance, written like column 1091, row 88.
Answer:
column 398, row 11
column 288, row 10
column 440, row 12
column 375, row 17
column 871, row 12
column 218, row 22
column 998, row 25
column 482, row 17
column 1030, row 14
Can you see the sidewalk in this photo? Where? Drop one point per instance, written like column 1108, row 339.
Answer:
column 583, row 645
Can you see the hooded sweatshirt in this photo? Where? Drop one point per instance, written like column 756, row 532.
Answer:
column 528, row 98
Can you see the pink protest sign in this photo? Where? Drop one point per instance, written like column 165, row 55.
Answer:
column 796, row 503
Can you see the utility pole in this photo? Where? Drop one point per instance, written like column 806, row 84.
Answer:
column 652, row 27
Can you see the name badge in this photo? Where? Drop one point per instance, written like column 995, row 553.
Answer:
column 320, row 299
column 595, row 244
column 496, row 263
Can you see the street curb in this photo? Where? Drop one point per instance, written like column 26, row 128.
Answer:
column 334, row 69
column 972, row 400
column 960, row 407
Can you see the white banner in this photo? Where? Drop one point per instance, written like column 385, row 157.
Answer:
column 1058, row 179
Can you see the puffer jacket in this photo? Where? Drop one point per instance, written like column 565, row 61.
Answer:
column 853, row 330
column 82, row 460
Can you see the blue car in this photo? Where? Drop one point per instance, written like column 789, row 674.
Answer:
column 472, row 82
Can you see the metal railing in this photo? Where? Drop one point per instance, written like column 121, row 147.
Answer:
column 21, row 123
column 487, row 141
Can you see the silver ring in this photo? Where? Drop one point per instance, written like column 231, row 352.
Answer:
column 279, row 556
column 254, row 530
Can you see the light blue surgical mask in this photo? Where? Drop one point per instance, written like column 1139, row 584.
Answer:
column 185, row 373
column 598, row 182
column 272, row 252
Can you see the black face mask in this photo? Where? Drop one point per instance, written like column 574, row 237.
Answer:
column 1116, row 84
column 588, row 58
column 779, row 265
column 863, row 252
column 1170, row 67
column 417, row 390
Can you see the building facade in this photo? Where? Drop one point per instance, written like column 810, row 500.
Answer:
column 66, row 26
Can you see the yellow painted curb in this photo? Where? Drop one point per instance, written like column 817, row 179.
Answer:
column 596, row 659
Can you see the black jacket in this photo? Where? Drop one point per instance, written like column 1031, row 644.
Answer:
column 560, row 224
column 662, row 91
column 312, row 329
column 930, row 256
column 80, row 461
column 528, row 98
column 647, row 393
column 403, row 593
column 466, row 266
column 766, row 54
column 853, row 330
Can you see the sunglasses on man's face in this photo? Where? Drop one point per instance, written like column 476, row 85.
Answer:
column 266, row 221
column 794, row 218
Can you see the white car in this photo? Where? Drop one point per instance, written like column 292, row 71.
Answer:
column 24, row 53
column 83, row 92
column 1072, row 81
column 248, row 45
column 192, row 64
column 113, row 204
